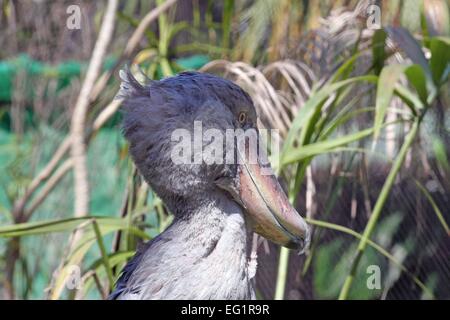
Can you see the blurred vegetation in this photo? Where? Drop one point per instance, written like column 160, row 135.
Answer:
column 363, row 115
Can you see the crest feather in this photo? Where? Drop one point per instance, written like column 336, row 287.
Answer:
column 129, row 85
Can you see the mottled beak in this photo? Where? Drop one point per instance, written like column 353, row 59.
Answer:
column 268, row 208
column 266, row 205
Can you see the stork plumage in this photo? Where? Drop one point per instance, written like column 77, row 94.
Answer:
column 203, row 253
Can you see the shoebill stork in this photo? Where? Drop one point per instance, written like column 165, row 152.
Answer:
column 203, row 254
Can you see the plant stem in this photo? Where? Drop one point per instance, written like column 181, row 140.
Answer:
column 378, row 207
column 105, row 258
column 377, row 247
column 226, row 23
column 163, row 47
column 282, row 273
column 283, row 261
column 79, row 116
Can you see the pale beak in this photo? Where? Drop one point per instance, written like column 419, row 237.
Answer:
column 267, row 206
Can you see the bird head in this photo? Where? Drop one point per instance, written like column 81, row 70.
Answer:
column 194, row 134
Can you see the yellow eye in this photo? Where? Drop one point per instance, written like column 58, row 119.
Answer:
column 242, row 117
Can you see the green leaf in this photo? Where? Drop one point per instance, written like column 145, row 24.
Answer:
column 227, row 17
column 115, row 259
column 65, row 225
column 345, row 69
column 440, row 59
column 342, row 118
column 323, row 146
column 411, row 100
column 42, row 227
column 435, row 207
column 441, row 153
column 443, row 39
column 84, row 244
column 378, row 53
column 103, row 252
column 311, row 107
column 424, row 27
column 385, row 90
column 377, row 247
column 416, row 77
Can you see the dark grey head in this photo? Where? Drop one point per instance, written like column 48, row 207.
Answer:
column 155, row 111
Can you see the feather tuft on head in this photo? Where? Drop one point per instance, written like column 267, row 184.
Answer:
column 130, row 86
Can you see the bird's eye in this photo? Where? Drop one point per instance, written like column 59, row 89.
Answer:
column 242, row 117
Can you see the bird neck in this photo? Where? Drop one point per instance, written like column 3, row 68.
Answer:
column 214, row 223
column 212, row 237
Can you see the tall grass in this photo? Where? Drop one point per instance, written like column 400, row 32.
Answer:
column 372, row 84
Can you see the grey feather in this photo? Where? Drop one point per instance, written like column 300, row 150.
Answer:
column 203, row 253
